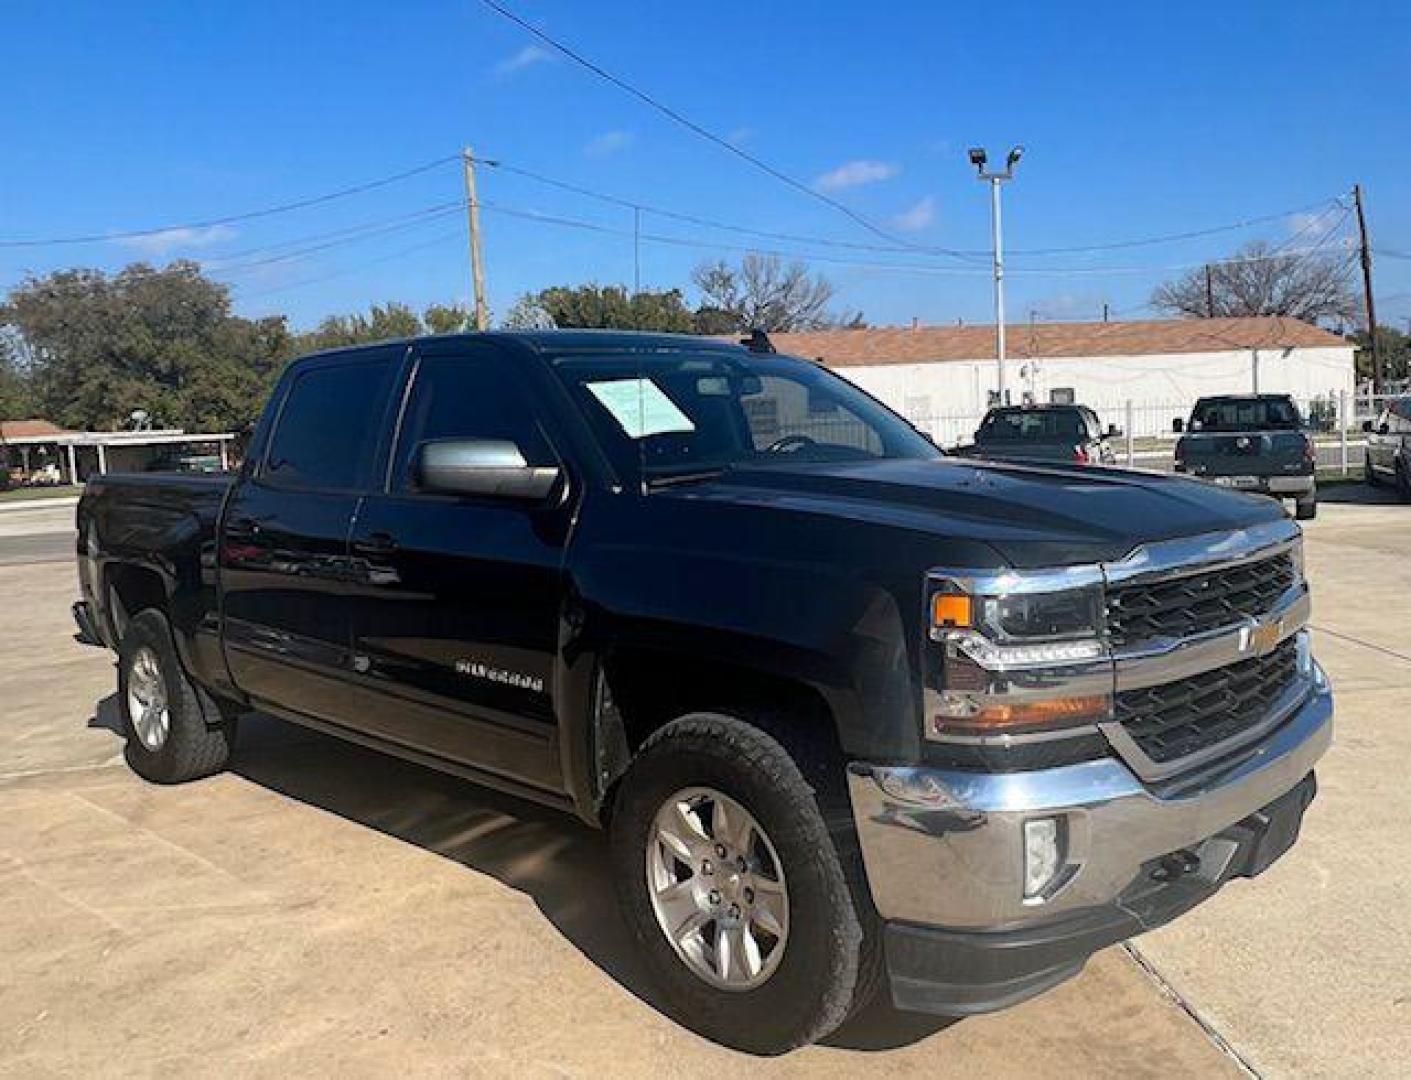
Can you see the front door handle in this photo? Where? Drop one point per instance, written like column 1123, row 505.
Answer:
column 376, row 544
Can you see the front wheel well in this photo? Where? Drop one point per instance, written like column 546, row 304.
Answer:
column 651, row 688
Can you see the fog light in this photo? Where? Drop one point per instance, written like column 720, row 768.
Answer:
column 1043, row 855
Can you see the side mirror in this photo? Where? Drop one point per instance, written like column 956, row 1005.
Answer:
column 1368, row 426
column 1178, row 425
column 1113, row 431
column 1384, row 429
column 490, row 468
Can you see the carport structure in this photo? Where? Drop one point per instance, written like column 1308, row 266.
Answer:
column 79, row 454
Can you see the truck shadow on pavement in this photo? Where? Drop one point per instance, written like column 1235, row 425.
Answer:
column 561, row 864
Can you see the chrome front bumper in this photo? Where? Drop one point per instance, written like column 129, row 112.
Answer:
column 946, row 847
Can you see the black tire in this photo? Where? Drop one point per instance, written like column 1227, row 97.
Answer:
column 1403, row 481
column 831, row 965
column 199, row 734
column 1369, row 474
column 1306, row 509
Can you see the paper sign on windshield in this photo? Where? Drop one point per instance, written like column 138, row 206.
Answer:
column 640, row 407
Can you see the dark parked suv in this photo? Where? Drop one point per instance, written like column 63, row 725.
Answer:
column 860, row 719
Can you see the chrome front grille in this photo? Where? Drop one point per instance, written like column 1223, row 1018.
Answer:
column 1191, row 604
column 1177, row 719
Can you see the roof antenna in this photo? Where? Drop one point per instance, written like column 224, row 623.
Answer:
column 758, row 342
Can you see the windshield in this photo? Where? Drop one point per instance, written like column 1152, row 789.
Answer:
column 1244, row 414
column 671, row 414
column 1017, row 424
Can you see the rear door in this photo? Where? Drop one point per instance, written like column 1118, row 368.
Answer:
column 457, row 606
column 284, row 548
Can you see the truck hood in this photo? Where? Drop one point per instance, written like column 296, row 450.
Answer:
column 1031, row 514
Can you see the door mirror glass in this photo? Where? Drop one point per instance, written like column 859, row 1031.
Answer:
column 490, row 468
column 1178, row 425
column 1385, row 429
column 1113, row 431
column 1368, row 426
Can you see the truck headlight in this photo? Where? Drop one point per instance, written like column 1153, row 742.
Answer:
column 1007, row 639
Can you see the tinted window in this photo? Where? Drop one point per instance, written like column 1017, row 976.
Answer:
column 1244, row 414
column 1016, row 425
column 467, row 397
column 329, row 427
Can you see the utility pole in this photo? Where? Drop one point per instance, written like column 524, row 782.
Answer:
column 979, row 158
column 1367, row 290
column 477, row 268
column 1209, row 294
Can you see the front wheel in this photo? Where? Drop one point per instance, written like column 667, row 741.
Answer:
column 735, row 889
column 1306, row 509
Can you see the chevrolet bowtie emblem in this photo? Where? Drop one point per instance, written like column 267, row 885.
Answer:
column 1261, row 637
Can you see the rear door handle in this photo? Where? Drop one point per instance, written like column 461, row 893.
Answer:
column 374, row 544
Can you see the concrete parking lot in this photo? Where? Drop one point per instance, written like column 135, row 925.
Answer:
column 323, row 910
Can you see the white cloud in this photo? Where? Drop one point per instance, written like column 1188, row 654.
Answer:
column 918, row 217
column 527, row 57
column 853, row 174
column 610, row 142
column 179, row 239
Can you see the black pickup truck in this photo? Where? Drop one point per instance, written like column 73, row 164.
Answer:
column 860, row 719
column 1252, row 442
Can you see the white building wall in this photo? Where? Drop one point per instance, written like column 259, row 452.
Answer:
column 948, row 397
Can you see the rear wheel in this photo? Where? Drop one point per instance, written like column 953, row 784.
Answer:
column 1403, row 480
column 175, row 731
column 736, row 890
column 1306, row 509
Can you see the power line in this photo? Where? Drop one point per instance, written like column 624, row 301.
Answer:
column 409, row 221
column 230, row 219
column 705, row 133
column 400, row 253
column 1169, row 238
column 690, row 242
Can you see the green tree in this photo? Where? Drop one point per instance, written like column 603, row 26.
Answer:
column 14, row 386
column 382, row 321
column 100, row 346
column 445, row 319
column 601, row 307
column 1395, row 348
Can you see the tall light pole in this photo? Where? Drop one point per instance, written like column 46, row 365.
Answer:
column 980, row 159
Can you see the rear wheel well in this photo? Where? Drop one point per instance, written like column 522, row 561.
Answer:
column 132, row 590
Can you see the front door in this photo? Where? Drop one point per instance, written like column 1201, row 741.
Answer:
column 456, row 616
column 284, row 547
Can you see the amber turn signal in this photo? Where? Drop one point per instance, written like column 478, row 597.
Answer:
column 1002, row 719
column 951, row 610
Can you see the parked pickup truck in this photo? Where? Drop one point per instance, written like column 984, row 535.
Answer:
column 1042, row 433
column 860, row 719
column 1253, row 442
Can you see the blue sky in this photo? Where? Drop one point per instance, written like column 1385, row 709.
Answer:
column 1138, row 120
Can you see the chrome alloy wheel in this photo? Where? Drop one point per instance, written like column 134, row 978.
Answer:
column 147, row 699
column 717, row 888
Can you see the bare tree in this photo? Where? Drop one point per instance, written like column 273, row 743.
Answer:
column 765, row 293
column 1260, row 281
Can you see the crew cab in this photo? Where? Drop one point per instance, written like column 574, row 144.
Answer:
column 1042, row 433
column 860, row 719
column 1253, row 442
